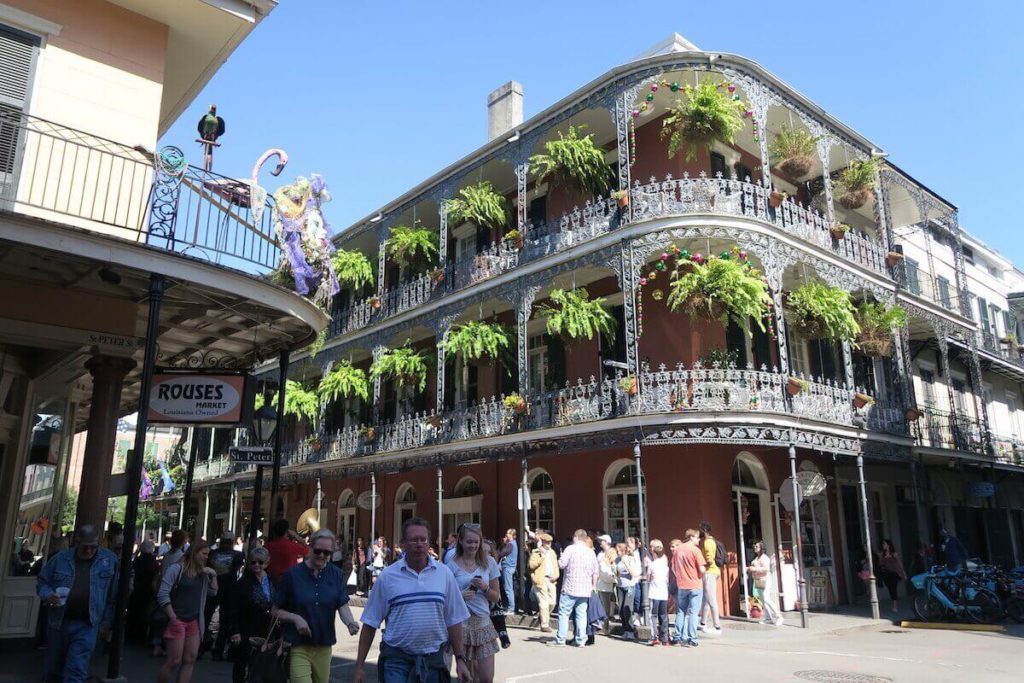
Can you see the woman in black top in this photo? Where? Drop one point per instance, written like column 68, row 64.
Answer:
column 248, row 611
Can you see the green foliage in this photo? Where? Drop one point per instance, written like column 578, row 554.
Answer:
column 823, row 312
column 707, row 113
column 481, row 205
column 513, row 401
column 573, row 161
column 475, row 339
column 402, row 364
column 721, row 289
column 574, row 315
column 318, row 343
column 792, row 142
column 411, row 245
column 859, row 175
column 301, row 402
column 881, row 318
column 353, row 269
column 343, row 380
column 68, row 510
column 720, row 357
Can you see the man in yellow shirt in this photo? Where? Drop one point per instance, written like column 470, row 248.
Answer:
column 712, row 574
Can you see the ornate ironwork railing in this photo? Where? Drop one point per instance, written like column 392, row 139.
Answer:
column 1008, row 449
column 952, row 431
column 355, row 317
column 407, row 295
column 1006, row 348
column 56, row 173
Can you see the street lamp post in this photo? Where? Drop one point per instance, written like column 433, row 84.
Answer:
column 264, row 424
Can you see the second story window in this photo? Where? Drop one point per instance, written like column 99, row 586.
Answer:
column 18, row 54
column 944, row 298
column 910, row 275
column 928, row 388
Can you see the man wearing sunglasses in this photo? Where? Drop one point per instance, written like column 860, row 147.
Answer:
column 80, row 587
column 306, row 600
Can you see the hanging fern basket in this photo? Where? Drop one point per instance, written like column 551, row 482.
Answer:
column 796, row 167
column 854, row 199
column 704, row 307
column 875, row 343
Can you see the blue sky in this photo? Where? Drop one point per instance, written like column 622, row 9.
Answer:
column 378, row 96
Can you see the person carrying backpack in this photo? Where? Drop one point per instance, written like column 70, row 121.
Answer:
column 715, row 557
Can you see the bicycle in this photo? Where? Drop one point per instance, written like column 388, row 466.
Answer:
column 943, row 594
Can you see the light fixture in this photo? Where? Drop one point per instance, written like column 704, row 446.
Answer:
column 264, row 422
column 515, row 137
column 377, row 218
column 878, row 153
column 712, row 59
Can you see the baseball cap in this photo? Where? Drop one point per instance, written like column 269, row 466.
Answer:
column 604, row 537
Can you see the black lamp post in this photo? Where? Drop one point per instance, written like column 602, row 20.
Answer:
column 264, row 422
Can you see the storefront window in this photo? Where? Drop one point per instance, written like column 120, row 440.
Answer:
column 623, row 505
column 542, row 502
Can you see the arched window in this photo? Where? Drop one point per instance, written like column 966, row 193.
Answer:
column 622, row 503
column 467, row 486
column 346, row 518
column 405, row 508
column 542, row 500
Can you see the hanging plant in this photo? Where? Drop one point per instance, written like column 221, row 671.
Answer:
column 877, row 322
column 412, row 245
column 474, row 339
column 353, row 268
column 574, row 315
column 792, row 151
column 856, row 184
column 722, row 288
column 403, row 365
column 515, row 238
column 839, row 230
column 574, row 162
column 343, row 380
column 481, row 205
column 628, row 384
column 707, row 113
column 823, row 312
column 298, row 401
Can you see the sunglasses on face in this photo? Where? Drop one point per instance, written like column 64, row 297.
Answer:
column 257, row 563
column 322, row 552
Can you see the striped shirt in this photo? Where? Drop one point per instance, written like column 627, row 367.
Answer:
column 580, row 565
column 418, row 608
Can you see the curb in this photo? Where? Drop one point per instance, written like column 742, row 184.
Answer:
column 936, row 626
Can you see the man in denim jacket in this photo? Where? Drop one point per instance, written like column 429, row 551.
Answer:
column 80, row 586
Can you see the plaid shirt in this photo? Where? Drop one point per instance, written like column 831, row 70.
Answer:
column 580, row 565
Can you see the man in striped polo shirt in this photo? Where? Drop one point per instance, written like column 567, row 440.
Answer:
column 419, row 599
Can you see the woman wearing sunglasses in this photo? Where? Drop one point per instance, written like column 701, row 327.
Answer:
column 309, row 595
column 248, row 612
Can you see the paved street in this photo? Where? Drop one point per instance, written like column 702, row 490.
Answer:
column 838, row 649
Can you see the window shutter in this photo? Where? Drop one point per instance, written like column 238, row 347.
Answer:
column 762, row 348
column 473, row 380
column 736, row 340
column 449, row 381
column 556, row 362
column 17, row 63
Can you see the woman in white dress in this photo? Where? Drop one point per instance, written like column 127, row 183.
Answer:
column 765, row 588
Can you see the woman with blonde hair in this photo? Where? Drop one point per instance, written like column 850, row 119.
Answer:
column 477, row 575
column 182, row 596
column 657, row 581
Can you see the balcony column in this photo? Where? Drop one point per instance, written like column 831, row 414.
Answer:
column 108, row 373
column 442, row 244
column 757, row 99
column 442, row 328
column 377, row 352
column 773, row 275
column 848, row 365
column 903, row 368
column 977, row 388
column 952, row 224
column 622, row 117
column 524, row 306
column 522, row 206
column 824, row 146
column 882, row 213
column 381, row 262
column 627, row 277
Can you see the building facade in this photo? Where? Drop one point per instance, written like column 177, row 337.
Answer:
column 673, row 419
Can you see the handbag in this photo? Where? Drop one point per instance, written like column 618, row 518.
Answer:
column 268, row 661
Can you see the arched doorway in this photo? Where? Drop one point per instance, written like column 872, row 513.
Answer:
column 405, row 508
column 346, row 529
column 752, row 504
column 542, row 500
column 464, row 506
column 622, row 504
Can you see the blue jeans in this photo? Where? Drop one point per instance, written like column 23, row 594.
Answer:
column 508, row 579
column 568, row 604
column 69, row 651
column 688, row 602
column 396, row 667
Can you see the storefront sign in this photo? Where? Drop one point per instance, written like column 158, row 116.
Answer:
column 197, row 398
column 982, row 489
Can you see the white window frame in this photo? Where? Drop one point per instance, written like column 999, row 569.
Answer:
column 624, row 492
column 535, row 498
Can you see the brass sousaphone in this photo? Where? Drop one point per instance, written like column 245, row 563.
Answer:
column 309, row 522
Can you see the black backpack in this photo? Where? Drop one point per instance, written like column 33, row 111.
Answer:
column 721, row 557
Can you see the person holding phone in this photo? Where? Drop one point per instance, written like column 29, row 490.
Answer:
column 477, row 574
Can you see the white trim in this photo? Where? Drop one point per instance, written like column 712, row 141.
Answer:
column 26, row 21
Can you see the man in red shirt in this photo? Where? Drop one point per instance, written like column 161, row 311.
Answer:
column 688, row 566
column 286, row 549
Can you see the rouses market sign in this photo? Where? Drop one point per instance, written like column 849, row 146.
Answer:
column 197, row 398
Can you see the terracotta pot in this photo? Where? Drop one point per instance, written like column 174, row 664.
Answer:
column 520, row 407
column 893, row 258
column 776, row 198
column 912, row 414
column 375, row 303
column 860, row 400
column 796, row 167
column 632, row 389
column 794, row 386
column 623, row 200
column 838, row 234
column 435, row 421
column 856, row 198
column 519, row 242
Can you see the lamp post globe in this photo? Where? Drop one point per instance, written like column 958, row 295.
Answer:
column 264, row 422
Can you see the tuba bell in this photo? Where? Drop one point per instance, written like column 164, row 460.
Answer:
column 309, row 522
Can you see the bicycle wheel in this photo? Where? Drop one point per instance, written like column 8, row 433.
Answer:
column 1015, row 608
column 984, row 607
column 928, row 608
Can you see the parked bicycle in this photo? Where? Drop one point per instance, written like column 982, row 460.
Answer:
column 943, row 594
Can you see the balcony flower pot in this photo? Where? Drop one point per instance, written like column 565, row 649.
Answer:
column 375, row 303
column 912, row 414
column 369, row 434
column 839, row 230
column 435, row 421
column 515, row 238
column 794, row 385
column 621, row 197
column 629, row 385
column 438, row 276
column 854, row 199
column 860, row 400
column 797, row 166
column 515, row 403
column 776, row 198
column 893, row 258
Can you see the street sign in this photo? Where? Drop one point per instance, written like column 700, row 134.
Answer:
column 523, row 501
column 254, row 455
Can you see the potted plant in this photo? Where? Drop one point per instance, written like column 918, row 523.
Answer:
column 515, row 403
column 860, row 400
column 794, row 385
column 434, row 420
column 792, row 152
column 369, row 434
column 475, row 339
column 721, row 289
column 412, row 246
column 707, row 113
column 856, row 184
column 574, row 162
column 438, row 276
column 1009, row 340
column 353, row 268
column 343, row 380
column 776, row 198
column 299, row 401
column 893, row 258
column 912, row 413
column 375, row 302
column 313, row 442
column 720, row 358
column 573, row 315
column 839, row 230
column 403, row 365
column 515, row 238
column 877, row 322
column 628, row 384
column 820, row 311
column 481, row 205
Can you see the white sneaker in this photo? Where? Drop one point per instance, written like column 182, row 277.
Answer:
column 715, row 630
column 700, row 627
column 779, row 621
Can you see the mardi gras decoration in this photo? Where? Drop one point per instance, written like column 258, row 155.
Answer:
column 165, row 477
column 302, row 233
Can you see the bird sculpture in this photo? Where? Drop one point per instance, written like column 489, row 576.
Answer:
column 211, row 126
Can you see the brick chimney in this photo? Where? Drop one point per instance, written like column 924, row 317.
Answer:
column 504, row 109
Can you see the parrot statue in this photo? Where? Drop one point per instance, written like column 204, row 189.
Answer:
column 211, row 126
column 165, row 477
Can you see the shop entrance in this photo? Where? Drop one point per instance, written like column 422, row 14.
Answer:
column 752, row 509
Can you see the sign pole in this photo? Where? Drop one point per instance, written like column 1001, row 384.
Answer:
column 257, row 504
column 193, row 453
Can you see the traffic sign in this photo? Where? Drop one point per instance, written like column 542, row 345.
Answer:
column 254, row 455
